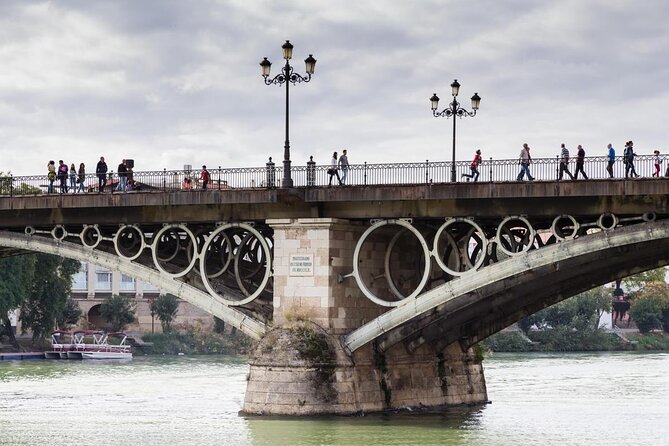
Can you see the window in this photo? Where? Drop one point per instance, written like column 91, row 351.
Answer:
column 127, row 283
column 103, row 279
column 80, row 279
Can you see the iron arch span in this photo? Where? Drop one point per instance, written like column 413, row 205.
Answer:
column 124, row 265
column 480, row 303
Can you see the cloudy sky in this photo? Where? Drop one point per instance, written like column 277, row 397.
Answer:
column 170, row 83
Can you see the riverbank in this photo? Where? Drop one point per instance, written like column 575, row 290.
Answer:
column 570, row 341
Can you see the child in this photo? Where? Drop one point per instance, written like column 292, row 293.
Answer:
column 657, row 161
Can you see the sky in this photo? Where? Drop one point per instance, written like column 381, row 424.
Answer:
column 169, row 83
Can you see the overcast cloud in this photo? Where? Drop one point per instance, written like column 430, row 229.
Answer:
column 170, row 83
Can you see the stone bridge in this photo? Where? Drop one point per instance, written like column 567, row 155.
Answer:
column 362, row 298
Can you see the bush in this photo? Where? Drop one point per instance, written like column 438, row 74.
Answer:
column 165, row 307
column 507, row 342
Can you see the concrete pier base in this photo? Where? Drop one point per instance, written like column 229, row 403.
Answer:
column 301, row 370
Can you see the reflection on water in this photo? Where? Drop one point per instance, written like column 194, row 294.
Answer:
column 560, row 399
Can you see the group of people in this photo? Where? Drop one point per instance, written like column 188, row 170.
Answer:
column 204, row 180
column 63, row 173
column 336, row 165
column 628, row 159
column 77, row 177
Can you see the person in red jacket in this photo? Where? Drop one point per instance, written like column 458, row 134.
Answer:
column 474, row 167
column 204, row 176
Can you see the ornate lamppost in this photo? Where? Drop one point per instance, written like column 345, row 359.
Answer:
column 287, row 76
column 454, row 109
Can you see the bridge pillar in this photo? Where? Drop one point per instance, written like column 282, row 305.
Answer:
column 300, row 366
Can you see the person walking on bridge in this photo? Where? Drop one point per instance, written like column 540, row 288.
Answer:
column 525, row 160
column 82, row 177
column 657, row 160
column 333, row 171
column 343, row 164
column 628, row 156
column 101, row 172
column 474, row 167
column 564, row 162
column 611, row 158
column 580, row 161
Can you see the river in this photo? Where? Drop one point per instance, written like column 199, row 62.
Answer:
column 544, row 399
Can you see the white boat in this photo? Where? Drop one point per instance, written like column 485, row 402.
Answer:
column 95, row 345
column 61, row 342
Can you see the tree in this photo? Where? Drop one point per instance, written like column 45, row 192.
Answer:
column 51, row 287
column 118, row 311
column 16, row 278
column 650, row 305
column 638, row 281
column 70, row 315
column 165, row 307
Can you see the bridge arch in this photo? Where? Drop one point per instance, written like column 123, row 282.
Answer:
column 480, row 303
column 188, row 293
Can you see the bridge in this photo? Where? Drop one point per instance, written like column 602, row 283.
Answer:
column 364, row 297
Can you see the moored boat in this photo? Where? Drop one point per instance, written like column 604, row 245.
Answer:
column 89, row 344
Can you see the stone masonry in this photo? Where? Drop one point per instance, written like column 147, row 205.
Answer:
column 300, row 367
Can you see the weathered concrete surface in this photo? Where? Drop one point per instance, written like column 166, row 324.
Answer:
column 291, row 373
column 482, row 200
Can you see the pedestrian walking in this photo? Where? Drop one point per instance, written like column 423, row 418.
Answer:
column 82, row 177
column 564, row 162
column 73, row 178
column 101, row 172
column 628, row 159
column 51, row 176
column 580, row 161
column 525, row 159
column 657, row 161
column 122, row 171
column 474, row 167
column 62, row 176
column 333, row 171
column 204, row 177
column 611, row 158
column 343, row 164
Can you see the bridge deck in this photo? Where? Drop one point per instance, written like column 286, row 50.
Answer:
column 483, row 200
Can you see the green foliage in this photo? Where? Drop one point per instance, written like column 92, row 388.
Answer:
column 197, row 340
column 70, row 315
column 51, row 286
column 16, row 276
column 640, row 280
column 651, row 341
column 581, row 312
column 118, row 311
column 566, row 338
column 165, row 307
column 507, row 342
column 650, row 306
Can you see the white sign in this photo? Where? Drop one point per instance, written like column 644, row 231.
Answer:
column 301, row 265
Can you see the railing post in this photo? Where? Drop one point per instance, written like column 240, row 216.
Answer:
column 164, row 179
column 11, row 185
column 365, row 174
column 491, row 169
column 311, row 172
column 269, row 167
column 427, row 171
column 557, row 171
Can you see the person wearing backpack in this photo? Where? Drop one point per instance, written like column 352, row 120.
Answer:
column 580, row 161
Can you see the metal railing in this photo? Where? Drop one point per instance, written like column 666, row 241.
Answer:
column 312, row 175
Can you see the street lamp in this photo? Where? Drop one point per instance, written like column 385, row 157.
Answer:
column 454, row 109
column 287, row 76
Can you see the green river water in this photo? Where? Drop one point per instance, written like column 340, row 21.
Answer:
column 542, row 399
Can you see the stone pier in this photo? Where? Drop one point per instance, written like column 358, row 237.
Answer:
column 300, row 366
